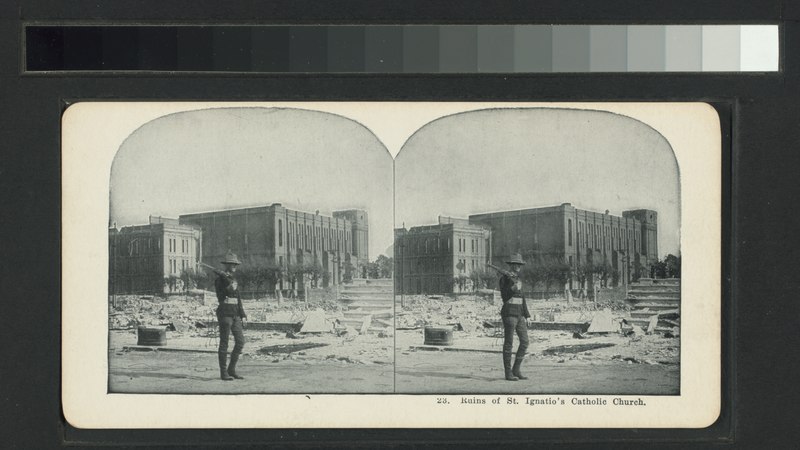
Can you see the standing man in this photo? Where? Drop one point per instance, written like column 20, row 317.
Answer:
column 514, row 314
column 230, row 314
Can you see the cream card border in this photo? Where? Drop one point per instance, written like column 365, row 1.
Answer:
column 92, row 133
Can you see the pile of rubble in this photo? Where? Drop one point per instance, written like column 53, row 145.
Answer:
column 606, row 330
column 362, row 308
column 181, row 313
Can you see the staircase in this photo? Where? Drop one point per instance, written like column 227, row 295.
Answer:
column 368, row 301
column 654, row 296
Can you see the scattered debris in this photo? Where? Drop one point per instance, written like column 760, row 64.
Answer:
column 289, row 348
column 575, row 348
column 579, row 327
column 675, row 332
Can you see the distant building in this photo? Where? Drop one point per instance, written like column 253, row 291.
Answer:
column 428, row 258
column 627, row 243
column 141, row 257
column 279, row 237
column 427, row 262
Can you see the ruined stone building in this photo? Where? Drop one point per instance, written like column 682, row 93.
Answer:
column 428, row 258
column 628, row 244
column 278, row 237
column 142, row 256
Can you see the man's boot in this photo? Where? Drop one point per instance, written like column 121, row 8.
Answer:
column 223, row 374
column 507, row 366
column 515, row 371
column 232, row 367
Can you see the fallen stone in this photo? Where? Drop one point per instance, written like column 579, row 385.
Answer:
column 651, row 325
column 603, row 322
column 316, row 322
column 365, row 324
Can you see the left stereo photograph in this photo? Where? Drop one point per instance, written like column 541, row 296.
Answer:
column 247, row 254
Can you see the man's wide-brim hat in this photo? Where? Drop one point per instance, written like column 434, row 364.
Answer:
column 516, row 258
column 231, row 258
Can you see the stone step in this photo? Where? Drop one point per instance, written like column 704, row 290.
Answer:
column 353, row 322
column 657, row 282
column 646, row 312
column 640, row 297
column 654, row 288
column 370, row 299
column 654, row 291
column 365, row 293
column 644, row 323
column 653, row 299
column 653, row 294
column 358, row 295
column 374, row 300
column 654, row 306
column 375, row 314
column 379, row 324
column 370, row 306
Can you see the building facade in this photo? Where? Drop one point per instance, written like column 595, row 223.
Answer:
column 628, row 243
column 279, row 237
column 142, row 257
column 429, row 258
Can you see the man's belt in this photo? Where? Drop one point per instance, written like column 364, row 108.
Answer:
column 515, row 301
column 231, row 301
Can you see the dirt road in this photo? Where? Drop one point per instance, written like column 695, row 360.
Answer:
column 467, row 372
column 197, row 373
column 423, row 372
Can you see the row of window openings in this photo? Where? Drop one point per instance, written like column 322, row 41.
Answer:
column 427, row 245
column 144, row 266
column 173, row 266
column 590, row 235
column 426, row 265
column 138, row 246
column 318, row 237
column 173, row 245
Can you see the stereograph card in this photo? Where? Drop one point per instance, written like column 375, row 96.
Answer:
column 364, row 236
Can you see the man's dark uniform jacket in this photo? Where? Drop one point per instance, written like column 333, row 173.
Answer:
column 508, row 289
column 225, row 289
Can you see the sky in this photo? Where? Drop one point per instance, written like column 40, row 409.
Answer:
column 505, row 159
column 218, row 159
column 460, row 164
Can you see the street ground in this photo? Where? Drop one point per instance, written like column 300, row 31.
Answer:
column 454, row 372
column 557, row 361
column 160, row 372
column 352, row 362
